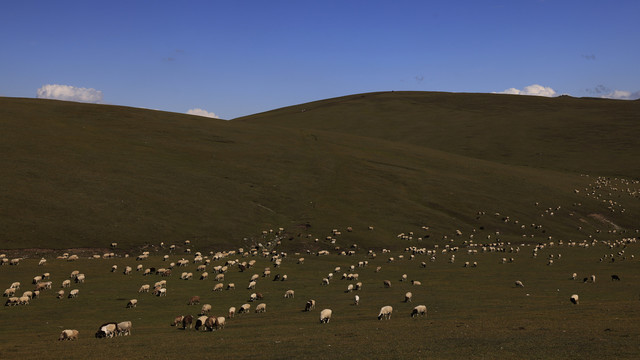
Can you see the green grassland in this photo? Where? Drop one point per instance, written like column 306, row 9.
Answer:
column 84, row 175
column 472, row 312
column 428, row 170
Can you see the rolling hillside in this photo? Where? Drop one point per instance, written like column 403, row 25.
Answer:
column 83, row 175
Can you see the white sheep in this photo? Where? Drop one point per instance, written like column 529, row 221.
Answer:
column 66, row 283
column 60, row 294
column 574, row 299
column 408, row 296
column 206, row 309
column 419, row 310
column 73, row 293
column 218, row 287
column 132, row 303
column 356, row 300
column 252, row 285
column 289, row 294
column 68, row 334
column 310, row 305
column 144, row 288
column 385, row 312
column 262, row 307
column 244, row 308
column 220, row 322
column 519, row 284
column 232, row 312
column 325, row 316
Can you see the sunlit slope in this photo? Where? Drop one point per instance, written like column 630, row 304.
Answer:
column 80, row 175
column 563, row 133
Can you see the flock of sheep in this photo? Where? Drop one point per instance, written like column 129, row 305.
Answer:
column 215, row 265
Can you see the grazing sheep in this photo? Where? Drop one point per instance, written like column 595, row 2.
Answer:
column 12, row 301
column 210, row 323
column 593, row 278
column 187, row 321
column 419, row 310
column 66, row 283
column 574, row 276
column 73, row 293
column 310, row 305
column 244, row 308
column 28, row 294
column 356, row 300
column 218, row 287
column 262, row 307
column 232, row 312
column 9, row 292
column 204, row 276
column 387, row 284
column 127, row 270
column 408, row 296
column 200, row 322
column 301, row 260
column 220, row 322
column 194, row 300
column 144, row 288
column 177, row 320
column 60, row 294
column 284, row 277
column 574, row 299
column 349, row 288
column 254, row 277
column 252, row 285
column 160, row 291
column 15, row 285
column 325, row 281
column 385, row 312
column 23, row 300
column 403, row 277
column 325, row 316
column 132, row 303
column 36, row 279
column 123, row 328
column 107, row 330
column 615, row 278
column 220, row 277
column 358, row 286
column 519, row 284
column 74, row 273
column 231, row 286
column 68, row 334
column 42, row 261
column 206, row 309
column 289, row 294
column 114, row 268
column 416, row 283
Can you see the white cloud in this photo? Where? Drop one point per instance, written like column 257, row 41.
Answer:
column 534, row 90
column 622, row 95
column 202, row 112
column 69, row 93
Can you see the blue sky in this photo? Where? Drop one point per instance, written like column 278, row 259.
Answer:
column 235, row 58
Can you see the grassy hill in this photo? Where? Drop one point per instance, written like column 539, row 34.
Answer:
column 84, row 175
